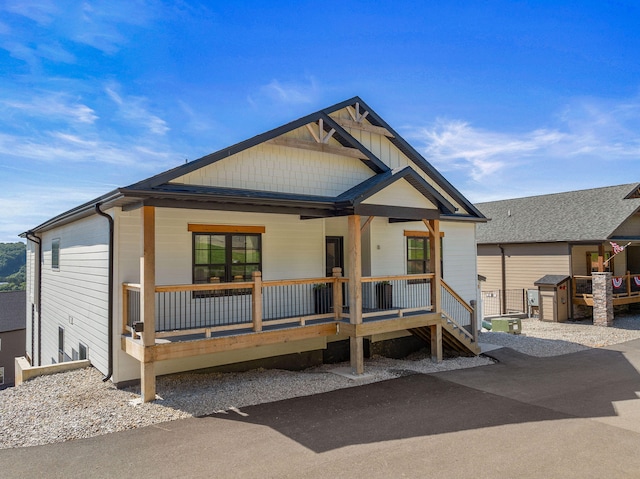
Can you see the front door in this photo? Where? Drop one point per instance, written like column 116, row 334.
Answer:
column 334, row 254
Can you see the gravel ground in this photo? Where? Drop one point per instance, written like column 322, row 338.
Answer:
column 77, row 404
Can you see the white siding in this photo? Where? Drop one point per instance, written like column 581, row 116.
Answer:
column 32, row 296
column 400, row 193
column 459, row 258
column 386, row 151
column 75, row 296
column 388, row 252
column 278, row 168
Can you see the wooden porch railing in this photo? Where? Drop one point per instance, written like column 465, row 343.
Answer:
column 458, row 312
column 214, row 307
column 626, row 288
column 196, row 309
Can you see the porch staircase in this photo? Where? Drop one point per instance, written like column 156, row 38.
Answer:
column 454, row 341
column 456, row 338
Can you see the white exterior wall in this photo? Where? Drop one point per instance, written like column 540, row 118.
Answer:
column 291, row 248
column 389, row 252
column 75, row 296
column 277, row 168
column 32, row 299
column 402, row 194
column 459, row 258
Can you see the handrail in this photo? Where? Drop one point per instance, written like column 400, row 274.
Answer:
column 291, row 282
column 204, row 287
column 417, row 277
column 627, row 278
column 274, row 302
column 463, row 330
column 461, row 302
column 457, row 296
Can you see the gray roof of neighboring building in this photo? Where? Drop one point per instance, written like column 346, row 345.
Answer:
column 13, row 310
column 584, row 215
column 552, row 280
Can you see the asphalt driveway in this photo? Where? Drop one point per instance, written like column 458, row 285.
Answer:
column 568, row 416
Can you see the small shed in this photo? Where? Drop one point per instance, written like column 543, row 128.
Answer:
column 553, row 297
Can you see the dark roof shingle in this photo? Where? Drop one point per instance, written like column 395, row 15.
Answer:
column 584, row 215
column 13, row 310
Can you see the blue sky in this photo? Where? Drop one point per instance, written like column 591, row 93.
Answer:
column 505, row 98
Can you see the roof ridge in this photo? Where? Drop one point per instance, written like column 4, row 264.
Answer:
column 630, row 185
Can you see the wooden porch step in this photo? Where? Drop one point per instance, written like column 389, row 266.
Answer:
column 453, row 340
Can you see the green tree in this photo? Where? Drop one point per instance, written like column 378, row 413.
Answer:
column 12, row 266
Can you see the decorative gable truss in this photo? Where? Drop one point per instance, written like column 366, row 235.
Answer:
column 317, row 153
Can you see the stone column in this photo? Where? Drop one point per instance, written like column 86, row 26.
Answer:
column 602, row 299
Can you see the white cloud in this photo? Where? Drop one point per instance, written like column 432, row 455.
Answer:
column 456, row 145
column 52, row 105
column 57, row 146
column 587, row 130
column 40, row 11
column 4, row 29
column 287, row 93
column 35, row 204
column 135, row 110
column 104, row 25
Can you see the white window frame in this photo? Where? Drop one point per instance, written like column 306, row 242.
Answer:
column 55, row 245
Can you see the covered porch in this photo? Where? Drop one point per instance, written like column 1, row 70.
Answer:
column 175, row 321
column 620, row 258
column 626, row 290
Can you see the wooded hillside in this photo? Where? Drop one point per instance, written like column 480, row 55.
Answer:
column 12, row 266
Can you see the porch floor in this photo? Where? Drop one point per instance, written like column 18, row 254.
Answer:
column 247, row 329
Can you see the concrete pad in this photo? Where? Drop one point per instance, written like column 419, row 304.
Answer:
column 347, row 372
column 486, row 347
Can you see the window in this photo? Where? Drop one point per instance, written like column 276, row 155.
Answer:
column 225, row 257
column 55, row 253
column 1, row 376
column 82, row 351
column 60, row 344
column 418, row 255
column 592, row 262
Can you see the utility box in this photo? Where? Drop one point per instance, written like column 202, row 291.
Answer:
column 553, row 297
column 506, row 325
column 532, row 302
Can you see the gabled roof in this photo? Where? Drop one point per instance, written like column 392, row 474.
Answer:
column 312, row 206
column 163, row 190
column 574, row 216
column 13, row 310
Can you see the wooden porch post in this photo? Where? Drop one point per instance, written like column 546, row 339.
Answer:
column 436, row 343
column 355, row 292
column 148, row 303
column 600, row 258
column 337, row 293
column 436, row 287
column 256, row 300
column 434, row 246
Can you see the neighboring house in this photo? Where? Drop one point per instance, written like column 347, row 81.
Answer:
column 12, row 333
column 233, row 255
column 561, row 234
